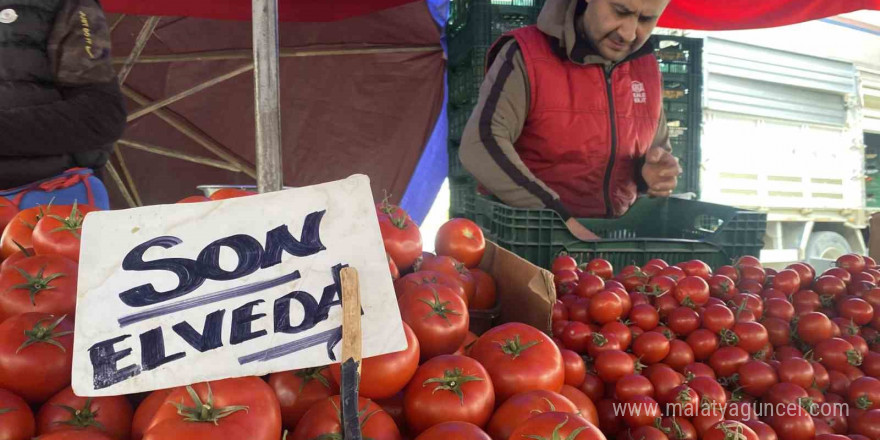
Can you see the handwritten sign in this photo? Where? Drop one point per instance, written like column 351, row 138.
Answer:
column 176, row 294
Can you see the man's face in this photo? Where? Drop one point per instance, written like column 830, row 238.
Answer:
column 618, row 28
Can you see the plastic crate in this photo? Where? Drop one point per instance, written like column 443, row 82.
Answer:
column 481, row 22
column 462, row 198
column 456, row 169
column 673, row 229
column 458, row 117
column 466, row 76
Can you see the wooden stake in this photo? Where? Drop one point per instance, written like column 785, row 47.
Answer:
column 351, row 352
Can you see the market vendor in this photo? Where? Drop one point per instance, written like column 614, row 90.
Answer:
column 570, row 113
column 60, row 105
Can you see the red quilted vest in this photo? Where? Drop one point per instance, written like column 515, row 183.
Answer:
column 581, row 142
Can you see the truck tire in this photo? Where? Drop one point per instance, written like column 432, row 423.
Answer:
column 827, row 245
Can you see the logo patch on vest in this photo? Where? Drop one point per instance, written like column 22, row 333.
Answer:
column 8, row 16
column 640, row 96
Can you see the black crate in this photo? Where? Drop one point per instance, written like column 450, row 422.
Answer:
column 462, row 198
column 480, row 22
column 466, row 76
column 456, row 169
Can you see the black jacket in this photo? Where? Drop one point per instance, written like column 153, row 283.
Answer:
column 60, row 106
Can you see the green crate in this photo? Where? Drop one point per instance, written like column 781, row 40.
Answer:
column 462, row 198
column 481, row 22
column 456, row 169
column 673, row 229
column 466, row 76
column 458, row 117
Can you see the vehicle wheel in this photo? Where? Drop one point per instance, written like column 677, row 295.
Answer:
column 827, row 245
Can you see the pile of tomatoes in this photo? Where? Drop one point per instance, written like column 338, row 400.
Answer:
column 745, row 352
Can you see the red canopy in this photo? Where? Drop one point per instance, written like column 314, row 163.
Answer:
column 753, row 14
column 681, row 14
column 288, row 10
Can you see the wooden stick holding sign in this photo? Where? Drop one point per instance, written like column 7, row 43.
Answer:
column 351, row 353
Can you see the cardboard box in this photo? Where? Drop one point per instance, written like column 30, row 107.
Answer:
column 526, row 292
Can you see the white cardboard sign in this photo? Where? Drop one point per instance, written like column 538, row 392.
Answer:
column 171, row 295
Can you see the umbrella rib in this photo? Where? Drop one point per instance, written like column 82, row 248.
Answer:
column 191, row 91
column 115, row 175
column 191, row 131
column 222, row 55
column 177, row 154
column 139, row 45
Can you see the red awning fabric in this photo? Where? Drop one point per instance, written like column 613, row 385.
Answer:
column 681, row 14
column 754, row 14
column 288, row 10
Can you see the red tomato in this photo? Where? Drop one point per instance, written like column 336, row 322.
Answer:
column 683, row 320
column 730, row 429
column 680, row 355
column 751, row 336
column 519, row 358
column 697, row 268
column 798, row 426
column 665, row 380
column 454, row 430
column 576, row 335
column 449, row 389
column 36, row 352
column 557, row 425
column 778, row 308
column 323, row 421
column 729, row 271
column 699, row 369
column 752, row 273
column 593, row 387
column 633, row 385
column 75, row 435
column 239, row 408
column 805, row 274
column 756, row 377
column 19, row 255
column 721, row 286
column 44, row 283
column 386, row 375
column 814, row 327
column 764, row 431
column 419, row 279
column 193, row 199
column 787, row 281
column 717, row 317
column 692, row 291
column 778, row 331
column 837, row 354
column 231, row 193
column 797, row 371
column 485, row 295
column 679, row 428
column 461, row 239
column 7, row 212
column 523, row 406
column 144, row 413
column 402, row 239
column 16, row 418
column 589, row 285
column 651, row 347
column 600, row 267
column 620, row 331
column 584, row 405
column 394, row 408
column 299, row 390
column 857, row 310
column 710, row 392
column 21, row 228
column 612, row 365
column 437, row 316
column 643, row 411
column 67, row 412
column 727, row 360
column 864, row 393
column 645, row 316
column 871, row 364
column 853, row 263
column 60, row 233
column 564, row 262
column 829, row 285
column 605, row 307
column 392, row 268
column 868, row 424
column 575, row 368
column 560, row 312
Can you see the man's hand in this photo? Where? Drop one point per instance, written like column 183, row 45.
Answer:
column 661, row 171
column 579, row 231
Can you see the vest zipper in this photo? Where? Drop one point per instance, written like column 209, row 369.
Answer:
column 609, row 210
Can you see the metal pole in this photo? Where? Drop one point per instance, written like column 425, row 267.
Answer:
column 267, row 93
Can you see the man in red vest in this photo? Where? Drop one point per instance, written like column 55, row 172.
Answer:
column 570, row 113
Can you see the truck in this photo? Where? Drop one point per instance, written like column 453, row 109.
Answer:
column 791, row 131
